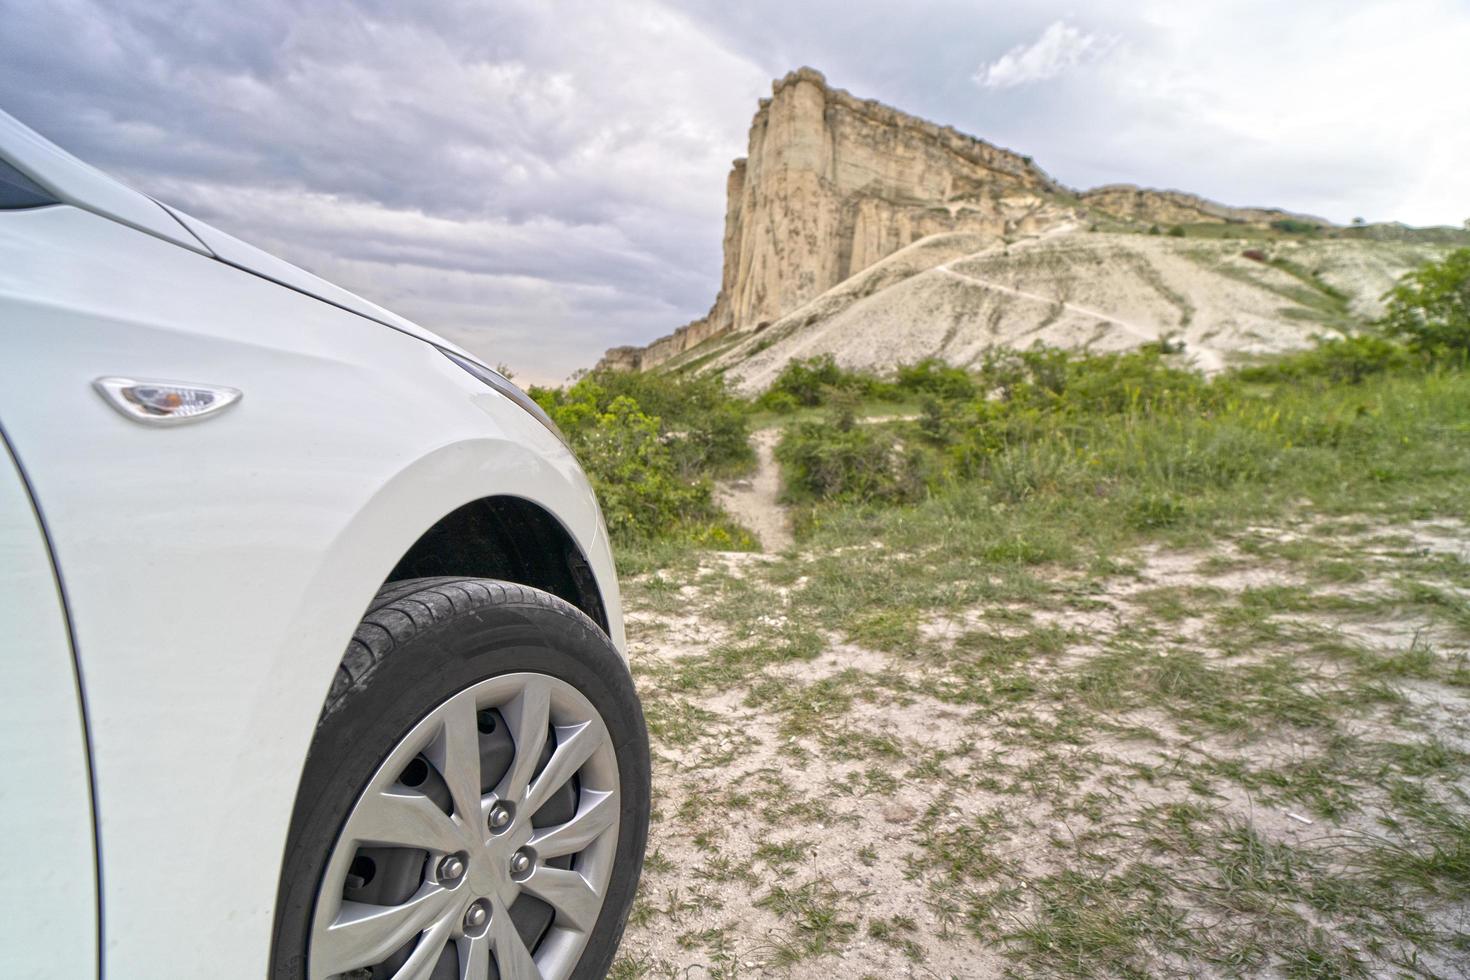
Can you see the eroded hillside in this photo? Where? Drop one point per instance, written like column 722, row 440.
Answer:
column 1102, row 291
column 855, row 229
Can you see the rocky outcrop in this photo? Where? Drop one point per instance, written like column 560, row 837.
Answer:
column 1144, row 204
column 854, row 229
column 831, row 185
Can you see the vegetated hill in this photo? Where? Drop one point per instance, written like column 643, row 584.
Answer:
column 1102, row 291
column 854, row 229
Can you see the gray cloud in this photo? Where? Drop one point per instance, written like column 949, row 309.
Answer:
column 541, row 180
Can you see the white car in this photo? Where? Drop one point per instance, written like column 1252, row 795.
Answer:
column 313, row 656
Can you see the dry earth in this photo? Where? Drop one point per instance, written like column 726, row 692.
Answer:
column 955, row 296
column 752, row 501
column 982, row 803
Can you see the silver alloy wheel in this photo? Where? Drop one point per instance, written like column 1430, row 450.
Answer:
column 500, row 864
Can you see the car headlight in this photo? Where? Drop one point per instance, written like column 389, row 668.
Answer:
column 502, row 384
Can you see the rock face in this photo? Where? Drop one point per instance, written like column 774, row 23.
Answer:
column 854, row 229
column 831, row 185
column 1178, row 208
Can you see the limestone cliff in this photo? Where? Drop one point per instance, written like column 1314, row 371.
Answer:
column 833, row 183
column 1144, row 204
column 854, row 229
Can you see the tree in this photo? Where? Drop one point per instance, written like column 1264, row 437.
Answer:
column 1430, row 307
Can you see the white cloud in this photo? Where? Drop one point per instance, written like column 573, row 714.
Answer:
column 1059, row 48
column 1337, row 109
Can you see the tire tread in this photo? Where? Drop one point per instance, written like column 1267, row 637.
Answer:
column 403, row 609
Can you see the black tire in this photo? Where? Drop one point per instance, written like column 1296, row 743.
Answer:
column 421, row 641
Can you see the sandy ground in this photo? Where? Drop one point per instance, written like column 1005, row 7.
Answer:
column 953, row 297
column 783, row 846
column 753, row 502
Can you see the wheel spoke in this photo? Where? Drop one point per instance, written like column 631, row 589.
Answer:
column 598, row 812
column 574, row 746
column 474, row 958
column 528, row 716
column 512, row 958
column 366, row 934
column 425, row 956
column 456, row 754
column 569, row 893
column 547, row 719
column 399, row 818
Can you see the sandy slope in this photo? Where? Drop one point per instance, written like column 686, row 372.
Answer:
column 956, row 295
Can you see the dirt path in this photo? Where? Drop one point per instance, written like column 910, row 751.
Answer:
column 1142, row 333
column 1209, row 360
column 754, row 501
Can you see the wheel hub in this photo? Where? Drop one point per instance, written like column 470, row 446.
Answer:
column 492, row 855
column 491, row 869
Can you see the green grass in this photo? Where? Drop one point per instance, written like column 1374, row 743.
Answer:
column 816, row 916
column 1155, row 664
column 1395, row 447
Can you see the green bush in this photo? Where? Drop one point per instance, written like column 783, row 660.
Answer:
column 704, row 425
column 780, row 402
column 806, row 381
column 1344, row 360
column 1132, row 436
column 640, row 489
column 650, row 468
column 834, row 459
column 812, row 381
column 932, row 376
column 1084, row 384
column 1430, row 308
column 1295, row 226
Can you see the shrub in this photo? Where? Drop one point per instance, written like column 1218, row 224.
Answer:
column 806, row 381
column 780, row 402
column 834, row 460
column 932, row 376
column 1082, row 384
column 650, row 467
column 934, row 420
column 1295, row 226
column 1176, row 232
column 704, row 427
column 641, row 490
column 1430, row 308
column 812, row 380
column 1344, row 360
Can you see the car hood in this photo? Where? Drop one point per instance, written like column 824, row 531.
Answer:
column 242, row 255
column 80, row 185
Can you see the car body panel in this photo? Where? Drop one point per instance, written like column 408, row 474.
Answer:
column 48, row 884
column 86, row 187
column 229, row 249
column 216, row 570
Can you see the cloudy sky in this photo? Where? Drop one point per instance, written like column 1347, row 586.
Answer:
column 540, row 180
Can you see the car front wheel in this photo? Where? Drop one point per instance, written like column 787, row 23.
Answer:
column 475, row 803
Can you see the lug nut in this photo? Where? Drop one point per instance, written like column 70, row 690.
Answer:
column 476, row 915
column 520, row 862
column 500, row 816
column 451, row 868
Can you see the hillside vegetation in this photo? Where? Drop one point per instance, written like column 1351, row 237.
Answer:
column 957, row 297
column 1082, row 664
